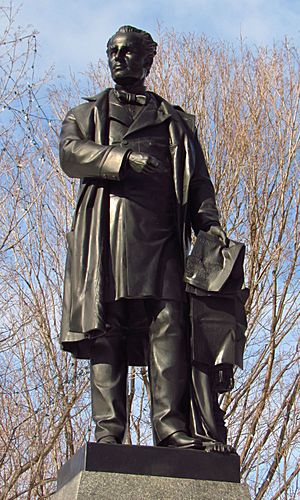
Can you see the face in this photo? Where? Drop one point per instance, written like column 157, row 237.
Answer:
column 126, row 59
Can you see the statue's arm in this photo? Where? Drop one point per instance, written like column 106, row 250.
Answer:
column 81, row 157
column 203, row 210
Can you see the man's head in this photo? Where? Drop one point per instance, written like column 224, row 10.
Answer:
column 130, row 54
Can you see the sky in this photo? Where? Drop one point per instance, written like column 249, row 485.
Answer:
column 73, row 33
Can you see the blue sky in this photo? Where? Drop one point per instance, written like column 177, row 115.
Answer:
column 74, row 32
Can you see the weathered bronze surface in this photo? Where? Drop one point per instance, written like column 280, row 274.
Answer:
column 144, row 187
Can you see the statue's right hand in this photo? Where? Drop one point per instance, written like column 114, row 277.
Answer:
column 142, row 162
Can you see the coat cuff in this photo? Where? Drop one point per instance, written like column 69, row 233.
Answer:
column 208, row 215
column 114, row 165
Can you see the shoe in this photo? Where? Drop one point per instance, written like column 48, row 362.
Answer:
column 180, row 439
column 107, row 440
column 217, row 446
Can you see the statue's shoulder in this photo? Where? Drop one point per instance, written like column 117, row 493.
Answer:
column 81, row 108
column 187, row 117
column 90, row 102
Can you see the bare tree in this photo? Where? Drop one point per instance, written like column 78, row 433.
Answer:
column 246, row 103
column 40, row 388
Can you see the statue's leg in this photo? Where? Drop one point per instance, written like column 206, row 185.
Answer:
column 109, row 379
column 168, row 370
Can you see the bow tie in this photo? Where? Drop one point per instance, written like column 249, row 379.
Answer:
column 127, row 98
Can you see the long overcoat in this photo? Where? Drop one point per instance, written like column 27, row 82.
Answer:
column 85, row 153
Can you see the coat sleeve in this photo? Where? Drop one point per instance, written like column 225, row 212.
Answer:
column 203, row 209
column 81, row 157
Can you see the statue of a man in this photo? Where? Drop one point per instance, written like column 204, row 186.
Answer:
column 144, row 186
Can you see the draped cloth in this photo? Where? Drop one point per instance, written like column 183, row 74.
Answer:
column 214, row 279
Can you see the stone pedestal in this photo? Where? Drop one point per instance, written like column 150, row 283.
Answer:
column 103, row 471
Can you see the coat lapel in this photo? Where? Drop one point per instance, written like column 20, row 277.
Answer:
column 149, row 116
column 120, row 113
column 101, row 118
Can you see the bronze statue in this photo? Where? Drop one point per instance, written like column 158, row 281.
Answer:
column 144, row 187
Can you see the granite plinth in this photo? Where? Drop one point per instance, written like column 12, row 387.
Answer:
column 109, row 485
column 151, row 461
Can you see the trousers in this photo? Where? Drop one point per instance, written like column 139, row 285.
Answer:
column 166, row 323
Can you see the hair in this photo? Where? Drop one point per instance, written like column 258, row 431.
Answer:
column 149, row 44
